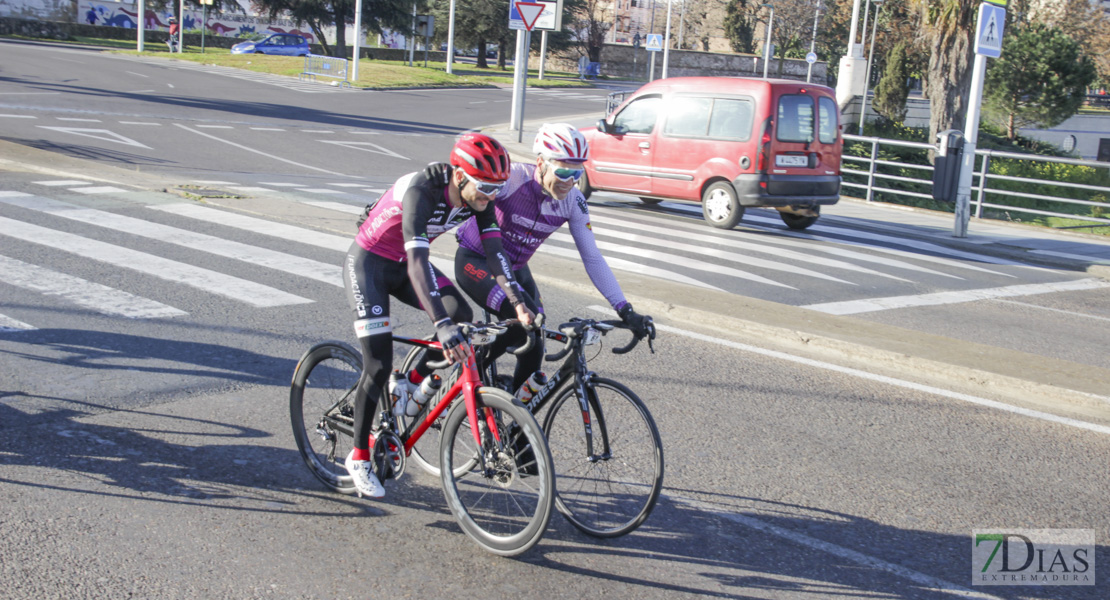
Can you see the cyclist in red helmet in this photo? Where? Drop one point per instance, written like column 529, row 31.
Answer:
column 390, row 257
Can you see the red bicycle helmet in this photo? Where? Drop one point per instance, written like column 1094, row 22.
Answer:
column 481, row 157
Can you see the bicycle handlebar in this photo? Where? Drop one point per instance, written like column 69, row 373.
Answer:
column 472, row 329
column 578, row 326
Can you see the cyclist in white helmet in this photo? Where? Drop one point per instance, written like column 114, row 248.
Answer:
column 536, row 201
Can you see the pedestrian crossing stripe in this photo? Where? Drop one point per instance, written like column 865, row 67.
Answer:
column 94, row 296
column 9, row 324
column 248, row 292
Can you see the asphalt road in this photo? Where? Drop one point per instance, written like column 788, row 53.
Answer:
column 150, row 455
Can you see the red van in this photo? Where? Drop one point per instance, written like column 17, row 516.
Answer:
column 727, row 142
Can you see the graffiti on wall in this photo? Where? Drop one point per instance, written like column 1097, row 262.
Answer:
column 116, row 14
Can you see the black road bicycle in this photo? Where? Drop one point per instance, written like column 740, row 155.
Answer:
column 607, row 452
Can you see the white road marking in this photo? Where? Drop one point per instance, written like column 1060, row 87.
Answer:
column 246, row 189
column 928, row 389
column 94, row 296
column 348, row 185
column 102, row 189
column 214, row 127
column 137, row 74
column 272, row 184
column 632, row 267
column 140, row 123
column 320, row 191
column 365, row 147
column 99, row 134
column 698, row 231
column 1070, row 313
column 162, row 268
column 266, row 129
column 9, row 324
column 249, row 149
column 853, row 307
column 210, row 182
column 337, row 206
column 687, row 264
column 63, row 182
column 927, row 582
column 279, row 261
column 260, row 226
column 170, row 84
column 78, row 119
column 730, row 254
column 18, row 117
column 316, row 131
column 364, row 132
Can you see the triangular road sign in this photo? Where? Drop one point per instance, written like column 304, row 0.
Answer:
column 529, row 12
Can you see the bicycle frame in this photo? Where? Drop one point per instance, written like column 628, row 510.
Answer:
column 467, row 384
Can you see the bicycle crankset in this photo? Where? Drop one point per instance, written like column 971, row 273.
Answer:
column 389, row 456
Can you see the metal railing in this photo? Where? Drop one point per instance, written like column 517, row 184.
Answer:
column 885, row 177
column 325, row 66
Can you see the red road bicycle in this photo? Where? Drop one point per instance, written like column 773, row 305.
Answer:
column 501, row 505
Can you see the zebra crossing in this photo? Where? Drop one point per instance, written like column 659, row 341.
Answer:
column 637, row 241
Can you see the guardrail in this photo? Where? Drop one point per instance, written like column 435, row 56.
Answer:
column 325, row 66
column 1078, row 198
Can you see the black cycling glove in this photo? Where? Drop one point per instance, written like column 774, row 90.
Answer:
column 449, row 334
column 641, row 325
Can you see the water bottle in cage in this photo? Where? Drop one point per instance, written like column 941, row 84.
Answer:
column 529, row 388
column 401, row 392
column 425, row 392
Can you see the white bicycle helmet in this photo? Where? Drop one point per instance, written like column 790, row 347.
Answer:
column 561, row 141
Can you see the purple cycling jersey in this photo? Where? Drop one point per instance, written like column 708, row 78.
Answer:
column 527, row 216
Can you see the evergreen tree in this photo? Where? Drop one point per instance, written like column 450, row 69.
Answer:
column 740, row 26
column 893, row 89
column 1040, row 80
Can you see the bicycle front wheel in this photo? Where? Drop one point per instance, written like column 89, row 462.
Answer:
column 504, row 501
column 610, row 491
column 321, row 409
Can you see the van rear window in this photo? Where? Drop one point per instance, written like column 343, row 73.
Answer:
column 795, row 119
column 719, row 118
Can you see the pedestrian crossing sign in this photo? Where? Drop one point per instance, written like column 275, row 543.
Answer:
column 654, row 42
column 988, row 37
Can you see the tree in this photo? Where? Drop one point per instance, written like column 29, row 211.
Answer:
column 893, row 89
column 477, row 23
column 1041, row 79
column 740, row 26
column 589, row 25
column 948, row 30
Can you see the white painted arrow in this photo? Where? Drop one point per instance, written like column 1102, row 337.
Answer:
column 363, row 146
column 99, row 134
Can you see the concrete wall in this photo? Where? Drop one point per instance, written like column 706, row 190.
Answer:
column 620, row 60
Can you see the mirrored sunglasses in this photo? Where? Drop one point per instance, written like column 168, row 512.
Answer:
column 565, row 174
column 485, row 187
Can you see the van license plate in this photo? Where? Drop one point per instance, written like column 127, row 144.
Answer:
column 786, row 160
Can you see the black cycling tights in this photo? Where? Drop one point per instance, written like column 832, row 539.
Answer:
column 473, row 277
column 370, row 281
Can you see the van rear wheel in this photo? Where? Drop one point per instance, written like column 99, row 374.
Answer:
column 799, row 222
column 720, row 206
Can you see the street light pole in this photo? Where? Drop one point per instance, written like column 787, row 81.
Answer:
column 870, row 55
column 813, row 40
column 767, row 42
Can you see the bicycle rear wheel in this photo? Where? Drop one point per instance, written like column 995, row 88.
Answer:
column 611, row 492
column 321, row 409
column 502, row 503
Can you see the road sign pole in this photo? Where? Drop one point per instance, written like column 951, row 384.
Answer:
column 667, row 42
column 353, row 71
column 543, row 51
column 971, row 137
column 142, row 26
column 451, row 38
column 519, row 76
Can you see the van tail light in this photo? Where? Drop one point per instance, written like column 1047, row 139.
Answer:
column 764, row 150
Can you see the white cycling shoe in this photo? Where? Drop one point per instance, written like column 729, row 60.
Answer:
column 366, row 482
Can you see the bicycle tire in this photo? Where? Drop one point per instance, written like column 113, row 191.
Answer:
column 504, row 509
column 607, row 497
column 425, row 452
column 321, row 404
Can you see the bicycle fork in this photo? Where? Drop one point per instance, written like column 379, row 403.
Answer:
column 587, row 395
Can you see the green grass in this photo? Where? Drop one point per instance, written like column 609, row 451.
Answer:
column 377, row 74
